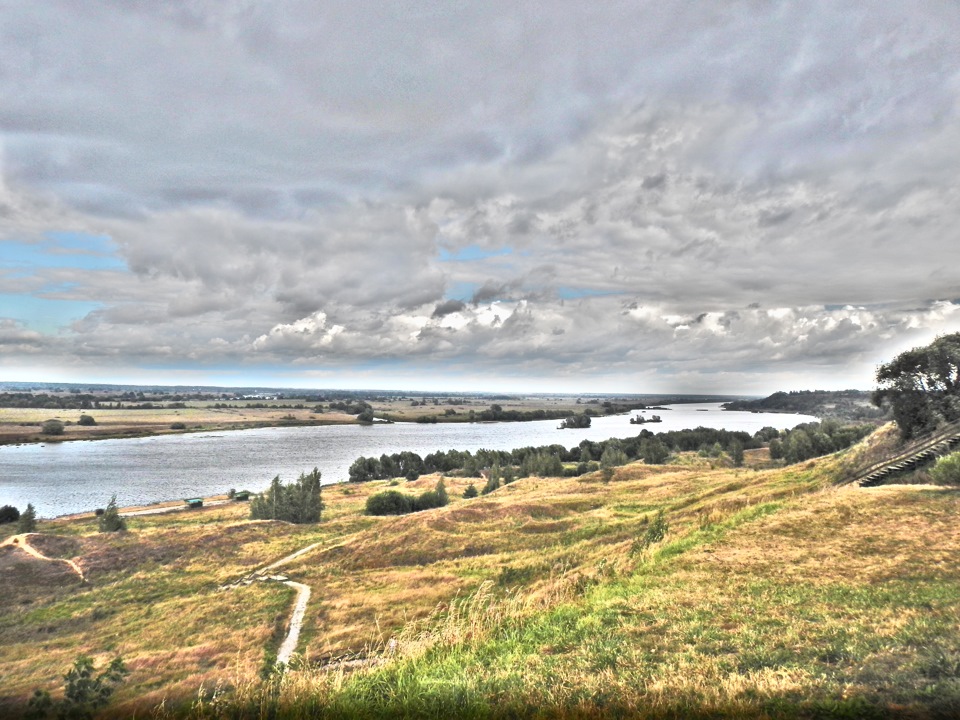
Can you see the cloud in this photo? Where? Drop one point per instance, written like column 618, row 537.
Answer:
column 629, row 190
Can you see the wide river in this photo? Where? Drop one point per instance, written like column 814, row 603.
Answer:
column 68, row 477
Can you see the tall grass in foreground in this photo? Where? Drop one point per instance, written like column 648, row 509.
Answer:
column 716, row 620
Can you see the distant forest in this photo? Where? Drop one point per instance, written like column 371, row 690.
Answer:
column 848, row 405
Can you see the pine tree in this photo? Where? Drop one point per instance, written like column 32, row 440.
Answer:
column 28, row 520
column 111, row 521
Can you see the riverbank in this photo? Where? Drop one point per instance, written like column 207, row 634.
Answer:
column 20, row 426
column 79, row 476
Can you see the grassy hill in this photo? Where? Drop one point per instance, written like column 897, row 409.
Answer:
column 772, row 593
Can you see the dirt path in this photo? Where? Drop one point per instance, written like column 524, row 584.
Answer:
column 289, row 645
column 22, row 541
column 262, row 574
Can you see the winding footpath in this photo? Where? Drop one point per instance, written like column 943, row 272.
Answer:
column 262, row 574
column 22, row 541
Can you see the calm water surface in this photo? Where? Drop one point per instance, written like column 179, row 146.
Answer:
column 60, row 478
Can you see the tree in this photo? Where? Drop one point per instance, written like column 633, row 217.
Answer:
column 52, row 427
column 86, row 420
column 297, row 502
column 441, row 491
column 28, row 520
column 613, row 456
column 470, row 492
column 111, row 521
column 736, row 453
column 922, row 386
column 654, row 451
column 8, row 514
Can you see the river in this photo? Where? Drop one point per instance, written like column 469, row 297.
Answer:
column 68, row 477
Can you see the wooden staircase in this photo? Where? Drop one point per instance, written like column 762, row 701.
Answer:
column 920, row 452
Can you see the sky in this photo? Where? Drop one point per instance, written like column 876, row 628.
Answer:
column 735, row 197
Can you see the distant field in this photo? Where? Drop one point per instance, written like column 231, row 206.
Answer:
column 772, row 593
column 23, row 424
column 18, row 425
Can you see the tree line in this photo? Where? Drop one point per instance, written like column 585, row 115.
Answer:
column 801, row 443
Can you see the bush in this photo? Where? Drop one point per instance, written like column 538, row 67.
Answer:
column 390, row 502
column 655, row 532
column 84, row 692
column 28, row 520
column 470, row 492
column 8, row 514
column 52, row 427
column 178, row 426
column 110, row 520
column 946, row 471
column 86, row 420
column 298, row 502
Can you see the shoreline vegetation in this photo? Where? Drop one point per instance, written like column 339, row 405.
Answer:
column 54, row 413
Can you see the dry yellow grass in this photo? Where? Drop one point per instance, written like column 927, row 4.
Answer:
column 770, row 586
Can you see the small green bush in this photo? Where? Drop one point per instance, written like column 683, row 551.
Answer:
column 470, row 492
column 110, row 520
column 390, row 502
column 84, row 691
column 86, row 420
column 393, row 502
column 946, row 471
column 655, row 532
column 52, row 427
column 178, row 426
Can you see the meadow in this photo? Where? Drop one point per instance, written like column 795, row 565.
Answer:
column 692, row 589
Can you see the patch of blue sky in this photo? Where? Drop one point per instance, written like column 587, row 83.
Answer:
column 61, row 250
column 462, row 290
column 44, row 314
column 472, row 253
column 570, row 293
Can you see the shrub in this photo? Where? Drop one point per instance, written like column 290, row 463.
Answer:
column 178, row 426
column 390, row 502
column 298, row 502
column 86, row 420
column 470, row 492
column 946, row 471
column 52, row 427
column 110, row 520
column 84, row 692
column 28, row 520
column 655, row 532
column 8, row 514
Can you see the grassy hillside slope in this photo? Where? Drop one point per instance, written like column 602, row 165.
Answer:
column 772, row 593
